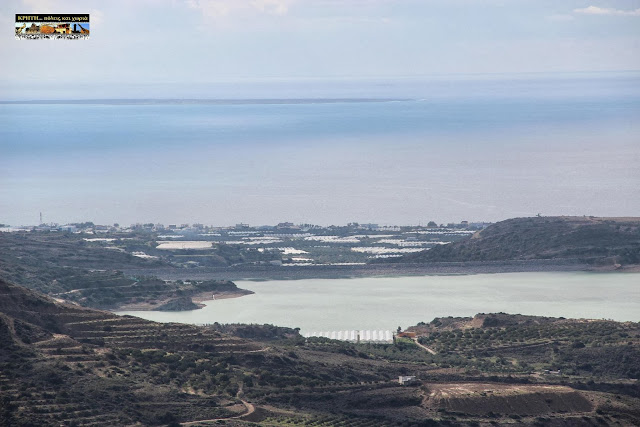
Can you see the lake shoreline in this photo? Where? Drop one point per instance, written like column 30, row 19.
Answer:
column 193, row 303
column 386, row 302
column 331, row 272
column 293, row 272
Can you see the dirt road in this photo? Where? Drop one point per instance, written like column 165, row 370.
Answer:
column 250, row 410
column 427, row 349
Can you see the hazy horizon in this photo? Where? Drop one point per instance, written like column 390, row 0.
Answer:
column 509, row 109
column 319, row 88
column 231, row 41
column 479, row 151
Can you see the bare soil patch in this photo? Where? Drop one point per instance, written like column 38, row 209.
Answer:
column 483, row 399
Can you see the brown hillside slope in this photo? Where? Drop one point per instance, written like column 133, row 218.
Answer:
column 588, row 239
column 64, row 365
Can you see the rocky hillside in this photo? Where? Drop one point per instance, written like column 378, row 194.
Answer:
column 599, row 241
column 66, row 267
column 65, row 365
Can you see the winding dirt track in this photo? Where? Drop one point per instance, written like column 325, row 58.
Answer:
column 250, row 410
column 427, row 349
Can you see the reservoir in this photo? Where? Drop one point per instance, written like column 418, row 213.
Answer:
column 388, row 302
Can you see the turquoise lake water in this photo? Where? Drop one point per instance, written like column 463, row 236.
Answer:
column 386, row 303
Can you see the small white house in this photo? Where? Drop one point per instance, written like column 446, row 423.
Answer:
column 405, row 380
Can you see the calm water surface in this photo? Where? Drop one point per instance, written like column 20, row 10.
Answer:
column 480, row 149
column 386, row 303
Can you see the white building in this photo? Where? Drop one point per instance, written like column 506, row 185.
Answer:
column 405, row 380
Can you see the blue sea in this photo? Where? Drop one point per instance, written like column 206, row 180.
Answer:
column 390, row 152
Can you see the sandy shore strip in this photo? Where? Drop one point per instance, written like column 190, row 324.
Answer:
column 197, row 299
column 214, row 296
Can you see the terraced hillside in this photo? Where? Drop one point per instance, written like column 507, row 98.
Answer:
column 66, row 365
column 63, row 364
column 599, row 241
column 537, row 346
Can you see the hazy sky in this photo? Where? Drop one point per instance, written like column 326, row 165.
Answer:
column 159, row 47
column 520, row 113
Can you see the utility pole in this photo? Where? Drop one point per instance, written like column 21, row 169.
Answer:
column 40, row 217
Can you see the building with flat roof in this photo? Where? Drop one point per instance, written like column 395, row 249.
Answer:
column 407, row 379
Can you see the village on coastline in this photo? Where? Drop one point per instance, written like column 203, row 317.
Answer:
column 284, row 244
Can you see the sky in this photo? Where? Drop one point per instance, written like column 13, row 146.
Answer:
column 482, row 61
column 159, row 48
